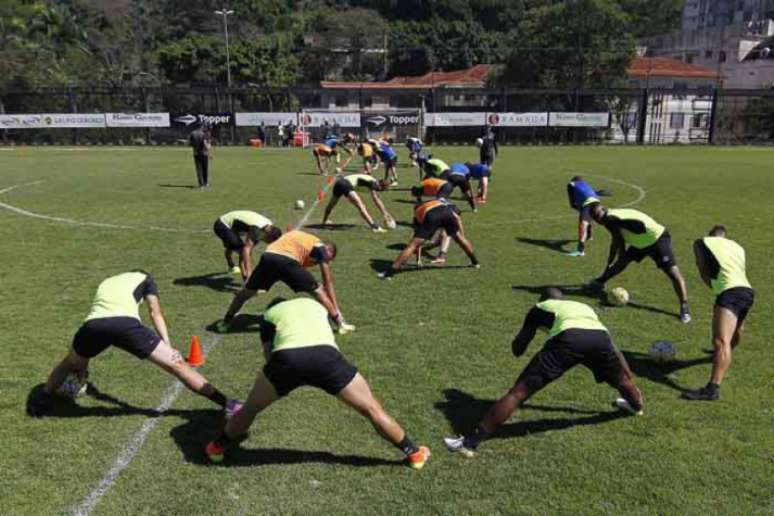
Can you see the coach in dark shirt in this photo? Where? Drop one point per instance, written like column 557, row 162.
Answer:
column 200, row 142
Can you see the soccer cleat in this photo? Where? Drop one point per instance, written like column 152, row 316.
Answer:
column 232, row 407
column 702, row 394
column 438, row 261
column 576, row 253
column 379, row 229
column 595, row 284
column 476, row 265
column 345, row 328
column 384, row 275
column 214, row 451
column 457, row 445
column 419, row 458
column 235, row 270
column 624, row 405
column 394, row 183
column 685, row 316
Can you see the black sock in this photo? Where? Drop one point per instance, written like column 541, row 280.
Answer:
column 216, row 397
column 407, row 446
column 712, row 387
column 684, row 305
column 581, row 247
column 473, row 259
column 471, row 441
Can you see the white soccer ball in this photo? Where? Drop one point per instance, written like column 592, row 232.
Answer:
column 300, row 204
column 479, row 142
column 662, row 351
column 390, row 223
column 618, row 296
column 71, row 387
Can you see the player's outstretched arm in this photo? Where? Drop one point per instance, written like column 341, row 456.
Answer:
column 330, row 291
column 699, row 251
column 154, row 310
column 526, row 333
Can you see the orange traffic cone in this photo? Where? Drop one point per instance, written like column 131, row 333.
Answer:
column 195, row 354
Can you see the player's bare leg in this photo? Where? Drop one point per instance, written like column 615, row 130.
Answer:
column 358, row 203
column 261, row 396
column 329, row 208
column 724, row 333
column 170, row 360
column 72, row 363
column 380, row 206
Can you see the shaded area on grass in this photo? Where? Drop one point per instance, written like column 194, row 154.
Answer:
column 331, row 227
column 381, row 265
column 241, row 323
column 219, row 281
column 166, row 185
column 554, row 245
column 643, row 365
column 202, row 426
column 464, row 411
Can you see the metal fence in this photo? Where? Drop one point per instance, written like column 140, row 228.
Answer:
column 637, row 116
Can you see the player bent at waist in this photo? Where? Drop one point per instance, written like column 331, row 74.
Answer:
column 644, row 237
column 429, row 217
column 287, row 260
column 346, row 186
column 722, row 263
column 300, row 350
column 576, row 336
column 322, row 156
column 229, row 228
column 114, row 320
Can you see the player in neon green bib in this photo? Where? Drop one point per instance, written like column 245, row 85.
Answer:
column 575, row 337
column 635, row 235
column 722, row 263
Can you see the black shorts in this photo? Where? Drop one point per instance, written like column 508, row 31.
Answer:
column 342, row 188
column 320, row 366
column 275, row 267
column 591, row 348
column 228, row 236
column 127, row 333
column 457, row 181
column 487, row 158
column 442, row 217
column 660, row 252
column 737, row 300
column 445, row 191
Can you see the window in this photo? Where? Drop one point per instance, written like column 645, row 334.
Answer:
column 708, row 54
column 700, row 121
column 722, row 56
column 367, row 101
column 342, row 101
column 676, row 120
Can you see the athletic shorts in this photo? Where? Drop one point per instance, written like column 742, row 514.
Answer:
column 442, row 217
column 342, row 188
column 96, row 335
column 457, row 181
column 389, row 161
column 320, row 366
column 228, row 236
column 275, row 267
column 591, row 348
column 660, row 252
column 738, row 300
column 487, row 158
column 585, row 214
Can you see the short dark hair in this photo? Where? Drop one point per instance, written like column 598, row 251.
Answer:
column 416, row 191
column 718, row 230
column 271, row 233
column 551, row 293
column 577, row 178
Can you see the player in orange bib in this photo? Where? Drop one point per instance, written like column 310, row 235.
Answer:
column 433, row 187
column 322, row 156
column 429, row 217
column 287, row 260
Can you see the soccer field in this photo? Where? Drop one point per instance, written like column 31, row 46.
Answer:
column 434, row 343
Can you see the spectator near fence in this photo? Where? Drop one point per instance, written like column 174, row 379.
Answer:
column 262, row 135
column 200, row 140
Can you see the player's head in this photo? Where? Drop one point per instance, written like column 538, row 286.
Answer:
column 576, row 178
column 330, row 250
column 551, row 293
column 416, row 191
column 271, row 233
column 718, row 230
column 598, row 212
column 382, row 184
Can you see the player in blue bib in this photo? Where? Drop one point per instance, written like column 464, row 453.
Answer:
column 458, row 175
column 414, row 146
column 582, row 196
column 390, row 159
column 481, row 172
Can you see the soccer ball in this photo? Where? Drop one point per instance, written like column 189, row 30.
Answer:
column 662, row 351
column 618, row 296
column 390, row 223
column 479, row 142
column 71, row 387
column 300, row 204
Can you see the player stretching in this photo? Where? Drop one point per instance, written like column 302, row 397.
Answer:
column 346, row 186
column 721, row 263
column 459, row 176
column 432, row 187
column 645, row 237
column 344, row 144
column 414, row 146
column 370, row 159
column 432, row 167
column 481, row 173
column 255, row 227
column 390, row 159
column 300, row 350
column 429, row 217
column 114, row 319
column 582, row 196
column 286, row 260
column 322, row 156
column 575, row 336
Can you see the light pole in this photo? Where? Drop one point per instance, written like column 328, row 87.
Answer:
column 225, row 13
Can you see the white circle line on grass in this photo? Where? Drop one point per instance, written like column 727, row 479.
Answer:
column 133, row 445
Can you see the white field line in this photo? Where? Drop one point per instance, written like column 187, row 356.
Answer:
column 311, row 209
column 72, row 222
column 132, row 447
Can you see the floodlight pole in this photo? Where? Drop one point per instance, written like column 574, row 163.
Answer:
column 225, row 14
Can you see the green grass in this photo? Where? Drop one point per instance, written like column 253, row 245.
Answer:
column 435, row 345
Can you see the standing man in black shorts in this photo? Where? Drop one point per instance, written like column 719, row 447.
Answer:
column 286, row 260
column 300, row 350
column 575, row 336
column 255, row 227
column 488, row 151
column 645, row 237
column 200, row 141
column 429, row 217
column 114, row 320
column 346, row 186
column 722, row 264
